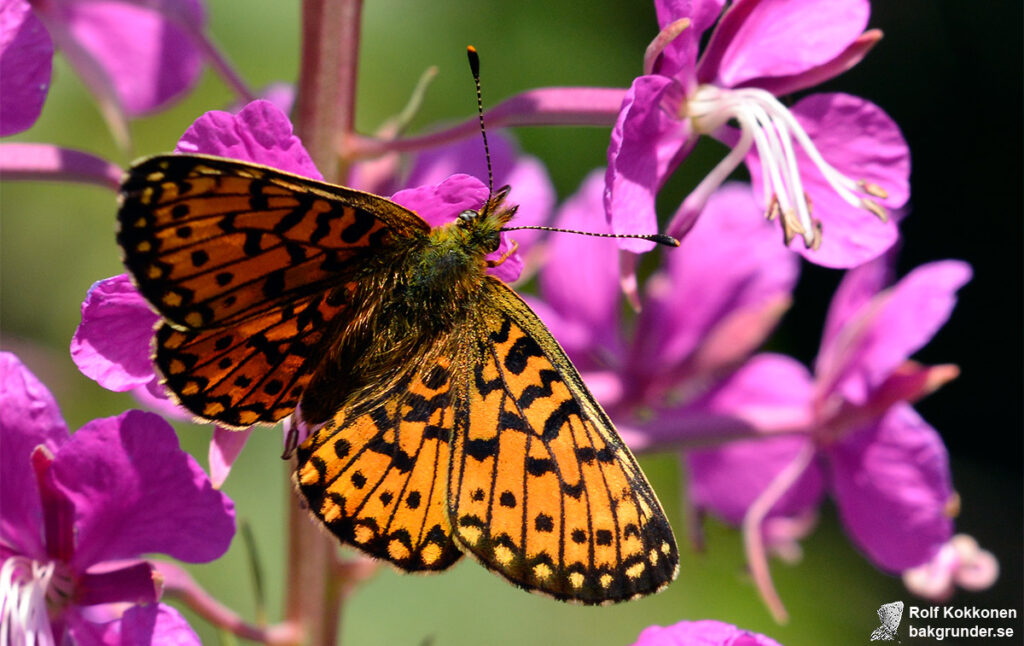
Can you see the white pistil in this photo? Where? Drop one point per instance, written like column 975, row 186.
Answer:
column 23, row 610
column 769, row 126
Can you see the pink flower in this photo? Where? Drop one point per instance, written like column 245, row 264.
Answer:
column 849, row 427
column 701, row 633
column 825, row 168
column 78, row 511
column 716, row 299
column 134, row 57
column 960, row 562
column 112, row 345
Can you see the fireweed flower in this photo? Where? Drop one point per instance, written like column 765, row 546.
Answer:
column 827, row 168
column 960, row 562
column 716, row 299
column 860, row 439
column 78, row 511
column 701, row 633
column 135, row 57
column 113, row 343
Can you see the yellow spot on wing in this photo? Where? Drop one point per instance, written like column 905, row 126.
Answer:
column 398, row 551
column 469, row 535
column 503, row 554
column 213, row 409
column 541, row 571
column 430, row 554
column 363, row 534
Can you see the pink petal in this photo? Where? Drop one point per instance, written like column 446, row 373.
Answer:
column 113, row 343
column 143, row 625
column 907, row 316
column 155, row 397
column 26, row 56
column 259, row 133
column 731, row 260
column 769, row 392
column 116, row 581
column 440, row 204
column 728, row 480
column 678, row 59
column 531, row 190
column 707, row 632
column 703, row 13
column 848, row 58
column 580, row 278
column 892, row 485
column 785, row 37
column 156, row 625
column 149, row 59
column 135, row 491
column 29, row 417
column 861, row 141
column 224, row 450
column 858, row 287
column 647, row 143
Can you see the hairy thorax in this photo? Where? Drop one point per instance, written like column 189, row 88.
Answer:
column 410, row 303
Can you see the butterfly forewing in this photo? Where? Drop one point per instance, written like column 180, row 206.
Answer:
column 375, row 474
column 212, row 241
column 541, row 488
column 248, row 266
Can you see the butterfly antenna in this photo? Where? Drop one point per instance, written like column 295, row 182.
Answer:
column 474, row 67
column 660, row 238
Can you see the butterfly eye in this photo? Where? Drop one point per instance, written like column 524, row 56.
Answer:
column 467, row 216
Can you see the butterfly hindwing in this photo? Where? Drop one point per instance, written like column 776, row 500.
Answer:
column 252, row 371
column 541, row 488
column 375, row 474
column 212, row 241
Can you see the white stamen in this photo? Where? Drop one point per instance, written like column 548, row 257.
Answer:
column 769, row 126
column 23, row 613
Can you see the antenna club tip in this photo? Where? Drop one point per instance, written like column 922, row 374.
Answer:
column 474, row 61
column 666, row 240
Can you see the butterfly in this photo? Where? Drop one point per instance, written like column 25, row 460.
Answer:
column 445, row 419
column 890, row 614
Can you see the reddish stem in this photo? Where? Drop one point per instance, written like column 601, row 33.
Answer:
column 549, row 106
column 325, row 106
column 178, row 584
column 324, row 119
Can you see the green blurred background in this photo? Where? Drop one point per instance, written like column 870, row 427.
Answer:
column 949, row 73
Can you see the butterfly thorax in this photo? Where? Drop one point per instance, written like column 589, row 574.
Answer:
column 414, row 294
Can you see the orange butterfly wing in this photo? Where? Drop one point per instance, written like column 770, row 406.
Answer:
column 541, row 488
column 250, row 267
column 375, row 474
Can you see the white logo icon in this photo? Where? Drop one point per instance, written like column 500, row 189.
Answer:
column 890, row 615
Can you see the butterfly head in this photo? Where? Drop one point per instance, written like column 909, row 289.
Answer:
column 484, row 226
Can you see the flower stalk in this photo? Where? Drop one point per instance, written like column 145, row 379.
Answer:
column 324, row 119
